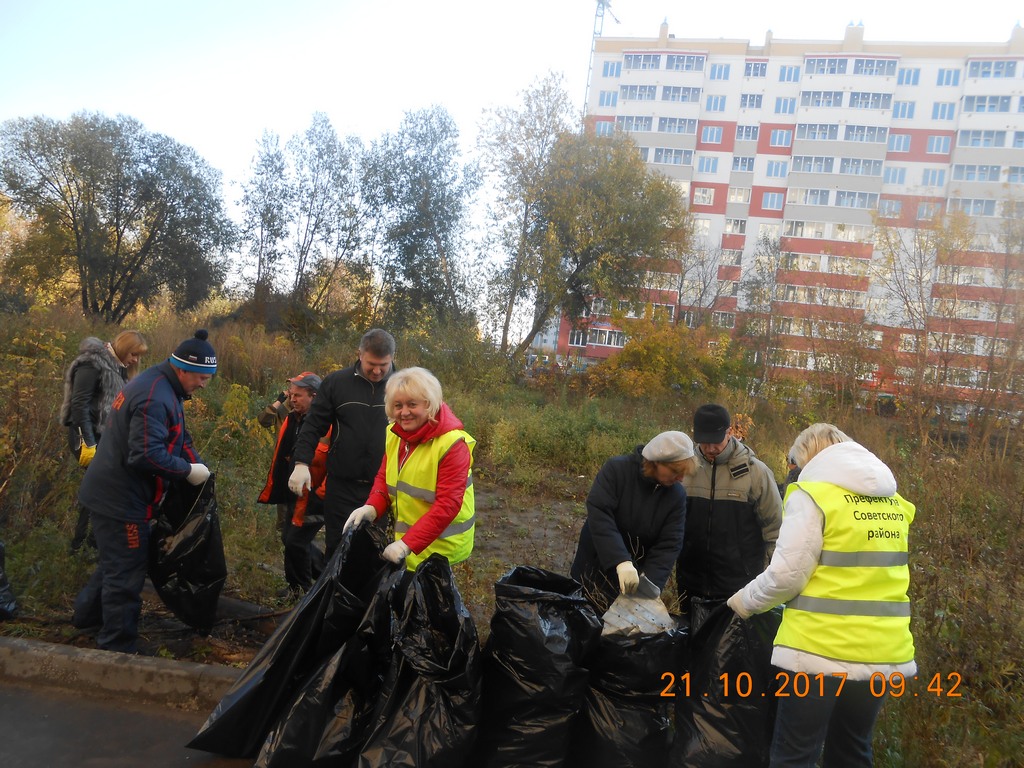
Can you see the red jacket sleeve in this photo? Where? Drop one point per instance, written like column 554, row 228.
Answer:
column 448, row 494
column 379, row 498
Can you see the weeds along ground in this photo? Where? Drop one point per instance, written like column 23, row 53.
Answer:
column 539, row 445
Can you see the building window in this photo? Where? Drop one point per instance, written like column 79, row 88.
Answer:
column 719, row 72
column 815, row 229
column 645, row 152
column 1015, row 175
column 797, row 196
column 789, row 73
column 928, row 210
column 903, row 110
column 707, row 164
column 987, row 139
column 943, row 110
column 948, row 77
column 825, row 66
column 746, row 132
column 703, row 196
column 899, row 142
column 684, row 63
column 1018, row 139
column 777, row 169
column 732, row 257
column 890, row 209
column 634, row 123
column 857, row 166
column 681, row 94
column 638, row 92
column 577, row 338
column 938, row 145
column 735, row 226
column 875, row 134
column 785, row 105
column 882, row 67
column 821, row 99
column 750, row 100
column 933, row 177
column 677, row 125
column 817, row 131
column 715, row 104
column 723, row 319
column 772, row 201
column 612, row 69
column 999, row 68
column 813, row 163
column 908, row 76
column 867, row 100
column 781, row 137
column 849, row 199
column 642, row 60
column 668, row 156
column 895, row 175
column 986, row 103
column 743, row 164
column 604, row 128
column 755, row 69
column 711, row 134
column 608, row 98
column 972, row 207
column 739, row 195
column 976, row 172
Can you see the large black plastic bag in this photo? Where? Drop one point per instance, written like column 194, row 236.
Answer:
column 535, row 678
column 429, row 706
column 8, row 604
column 314, row 630
column 186, row 563
column 735, row 731
column 627, row 720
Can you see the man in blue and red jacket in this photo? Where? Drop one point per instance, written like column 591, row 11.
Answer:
column 145, row 447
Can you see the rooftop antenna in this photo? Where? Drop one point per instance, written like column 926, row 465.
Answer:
column 603, row 6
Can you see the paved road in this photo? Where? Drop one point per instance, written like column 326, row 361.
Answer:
column 50, row 728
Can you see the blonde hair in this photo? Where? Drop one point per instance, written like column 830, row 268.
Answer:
column 128, row 343
column 814, row 440
column 414, row 382
column 683, row 467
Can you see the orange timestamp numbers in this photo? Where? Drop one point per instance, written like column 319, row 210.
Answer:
column 800, row 685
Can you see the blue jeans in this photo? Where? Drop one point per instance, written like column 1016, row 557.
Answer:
column 113, row 595
column 843, row 724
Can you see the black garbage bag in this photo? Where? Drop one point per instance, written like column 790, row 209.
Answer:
column 328, row 719
column 429, row 707
column 728, row 718
column 627, row 720
column 535, row 675
column 8, row 603
column 314, row 630
column 186, row 558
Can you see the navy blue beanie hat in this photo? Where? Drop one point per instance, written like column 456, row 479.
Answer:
column 195, row 354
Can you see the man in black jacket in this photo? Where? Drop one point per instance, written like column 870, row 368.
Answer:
column 352, row 401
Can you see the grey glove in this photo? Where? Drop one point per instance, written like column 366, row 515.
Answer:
column 359, row 514
column 198, row 475
column 629, row 579
column 300, row 480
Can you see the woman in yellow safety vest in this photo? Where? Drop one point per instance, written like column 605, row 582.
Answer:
column 426, row 476
column 841, row 568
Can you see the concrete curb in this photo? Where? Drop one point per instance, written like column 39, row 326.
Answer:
column 180, row 684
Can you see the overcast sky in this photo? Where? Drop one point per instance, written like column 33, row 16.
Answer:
column 214, row 74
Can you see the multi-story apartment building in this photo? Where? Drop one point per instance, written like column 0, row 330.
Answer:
column 815, row 147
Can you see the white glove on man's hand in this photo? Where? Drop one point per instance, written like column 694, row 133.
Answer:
column 736, row 604
column 629, row 579
column 198, row 475
column 300, row 480
column 365, row 512
column 396, row 552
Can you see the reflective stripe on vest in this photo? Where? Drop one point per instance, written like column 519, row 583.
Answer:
column 413, row 494
column 855, row 607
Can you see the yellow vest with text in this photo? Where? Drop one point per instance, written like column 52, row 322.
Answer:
column 412, row 488
column 855, row 608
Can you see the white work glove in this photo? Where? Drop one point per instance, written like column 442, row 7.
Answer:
column 736, row 604
column 198, row 475
column 300, row 480
column 629, row 579
column 396, row 552
column 365, row 512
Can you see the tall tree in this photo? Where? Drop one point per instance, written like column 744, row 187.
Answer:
column 266, row 203
column 422, row 195
column 603, row 216
column 516, row 146
column 760, row 288
column 135, row 213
